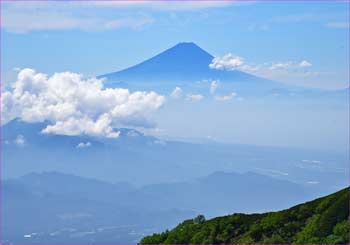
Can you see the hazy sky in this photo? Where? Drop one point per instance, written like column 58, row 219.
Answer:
column 98, row 37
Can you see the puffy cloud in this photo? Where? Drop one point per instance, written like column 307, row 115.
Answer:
column 75, row 126
column 194, row 97
column 290, row 65
column 226, row 97
column 20, row 140
column 292, row 72
column 232, row 62
column 227, row 62
column 75, row 105
column 213, row 86
column 305, row 63
column 83, row 145
column 176, row 93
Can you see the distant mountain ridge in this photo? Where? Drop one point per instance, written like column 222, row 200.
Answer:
column 72, row 209
column 191, row 195
column 203, row 194
column 126, row 157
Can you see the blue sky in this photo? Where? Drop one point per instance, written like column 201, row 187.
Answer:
column 96, row 38
column 299, row 43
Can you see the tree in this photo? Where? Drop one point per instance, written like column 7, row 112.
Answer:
column 200, row 219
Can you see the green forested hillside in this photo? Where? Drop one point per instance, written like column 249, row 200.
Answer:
column 324, row 220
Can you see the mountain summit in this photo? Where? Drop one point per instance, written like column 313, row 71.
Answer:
column 185, row 61
column 183, row 57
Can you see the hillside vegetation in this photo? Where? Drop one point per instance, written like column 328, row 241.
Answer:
column 321, row 221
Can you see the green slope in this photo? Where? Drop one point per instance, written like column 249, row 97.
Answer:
column 324, row 220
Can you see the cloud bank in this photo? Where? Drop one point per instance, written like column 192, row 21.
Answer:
column 20, row 17
column 23, row 22
column 290, row 71
column 75, row 105
column 230, row 62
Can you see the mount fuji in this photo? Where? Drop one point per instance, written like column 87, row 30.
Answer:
column 186, row 65
column 184, row 61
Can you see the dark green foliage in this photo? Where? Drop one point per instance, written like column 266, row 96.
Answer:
column 322, row 221
column 199, row 219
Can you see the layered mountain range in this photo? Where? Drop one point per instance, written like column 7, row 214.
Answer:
column 94, row 189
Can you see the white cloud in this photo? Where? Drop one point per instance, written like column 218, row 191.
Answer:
column 23, row 17
column 75, row 126
column 305, row 63
column 20, row 140
column 290, row 72
column 176, row 93
column 312, row 161
column 23, row 22
column 194, row 97
column 213, row 86
column 339, row 25
column 227, row 62
column 280, row 66
column 232, row 62
column 83, row 145
column 312, row 182
column 290, row 65
column 226, row 97
column 75, row 105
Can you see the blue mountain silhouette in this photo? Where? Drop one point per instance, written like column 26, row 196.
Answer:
column 184, row 62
